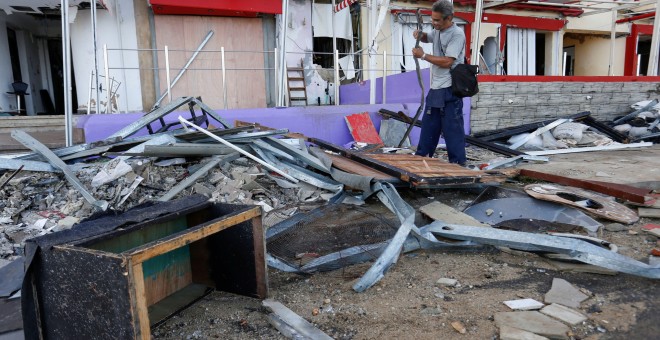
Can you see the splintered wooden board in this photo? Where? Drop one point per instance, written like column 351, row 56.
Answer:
column 362, row 128
column 424, row 166
column 428, row 172
column 345, row 164
column 592, row 203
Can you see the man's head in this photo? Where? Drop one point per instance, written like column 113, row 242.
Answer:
column 442, row 14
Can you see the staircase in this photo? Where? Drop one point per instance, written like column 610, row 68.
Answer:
column 296, row 85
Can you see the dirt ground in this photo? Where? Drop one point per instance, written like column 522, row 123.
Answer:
column 408, row 304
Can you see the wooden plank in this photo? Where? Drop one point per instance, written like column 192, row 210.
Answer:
column 405, row 174
column 261, row 271
column 240, row 123
column 622, row 191
column 345, row 164
column 166, row 274
column 140, row 301
column 362, row 128
column 245, row 80
column 424, row 166
column 155, row 248
column 594, row 204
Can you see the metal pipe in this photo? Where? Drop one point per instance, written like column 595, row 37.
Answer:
column 283, row 32
column 336, row 55
column 224, row 76
column 107, row 78
column 66, row 68
column 277, row 77
column 154, row 51
column 474, row 54
column 655, row 44
column 167, row 75
column 183, row 70
column 373, row 7
column 610, row 69
column 384, row 77
column 184, row 122
column 89, row 98
column 337, row 81
column 96, row 58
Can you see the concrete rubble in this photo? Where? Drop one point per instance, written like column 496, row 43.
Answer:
column 563, row 293
column 292, row 181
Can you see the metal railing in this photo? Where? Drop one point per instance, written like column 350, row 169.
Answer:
column 223, row 67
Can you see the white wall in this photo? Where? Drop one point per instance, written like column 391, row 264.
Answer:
column 117, row 31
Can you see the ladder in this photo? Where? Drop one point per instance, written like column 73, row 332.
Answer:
column 296, row 85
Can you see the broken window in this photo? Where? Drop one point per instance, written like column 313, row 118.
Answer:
column 344, row 29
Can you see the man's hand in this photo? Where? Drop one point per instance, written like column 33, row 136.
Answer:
column 416, row 33
column 417, row 52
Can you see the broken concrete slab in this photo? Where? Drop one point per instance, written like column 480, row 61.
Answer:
column 648, row 212
column 447, row 282
column 563, row 293
column 442, row 212
column 534, row 322
column 392, row 132
column 512, row 333
column 568, row 315
column 524, row 304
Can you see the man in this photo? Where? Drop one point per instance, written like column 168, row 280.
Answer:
column 443, row 111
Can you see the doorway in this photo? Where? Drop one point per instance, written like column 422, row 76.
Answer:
column 643, row 55
column 56, row 63
column 569, row 60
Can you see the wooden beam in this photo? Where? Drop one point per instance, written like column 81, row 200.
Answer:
column 174, row 241
column 137, row 278
column 621, row 191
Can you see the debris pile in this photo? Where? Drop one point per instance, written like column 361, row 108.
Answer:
column 641, row 124
column 308, row 190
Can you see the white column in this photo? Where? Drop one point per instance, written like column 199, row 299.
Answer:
column 335, row 55
column 96, row 58
column 66, row 68
column 610, row 69
column 474, row 60
column 655, row 43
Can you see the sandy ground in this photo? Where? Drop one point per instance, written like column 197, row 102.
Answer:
column 408, row 304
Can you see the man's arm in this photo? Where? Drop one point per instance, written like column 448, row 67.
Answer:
column 444, row 62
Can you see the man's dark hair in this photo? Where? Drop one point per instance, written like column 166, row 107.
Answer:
column 444, row 7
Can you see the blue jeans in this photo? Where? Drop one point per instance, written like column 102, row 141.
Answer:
column 443, row 115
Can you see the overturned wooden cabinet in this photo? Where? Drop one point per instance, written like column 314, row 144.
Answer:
column 116, row 276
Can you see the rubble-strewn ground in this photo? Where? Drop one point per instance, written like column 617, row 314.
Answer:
column 406, row 303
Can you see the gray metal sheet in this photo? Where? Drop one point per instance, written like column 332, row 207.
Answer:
column 575, row 249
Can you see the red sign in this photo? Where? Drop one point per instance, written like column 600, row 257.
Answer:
column 232, row 8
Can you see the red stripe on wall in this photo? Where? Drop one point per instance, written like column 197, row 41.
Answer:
column 578, row 79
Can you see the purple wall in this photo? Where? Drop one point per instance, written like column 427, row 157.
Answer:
column 323, row 122
column 401, row 88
